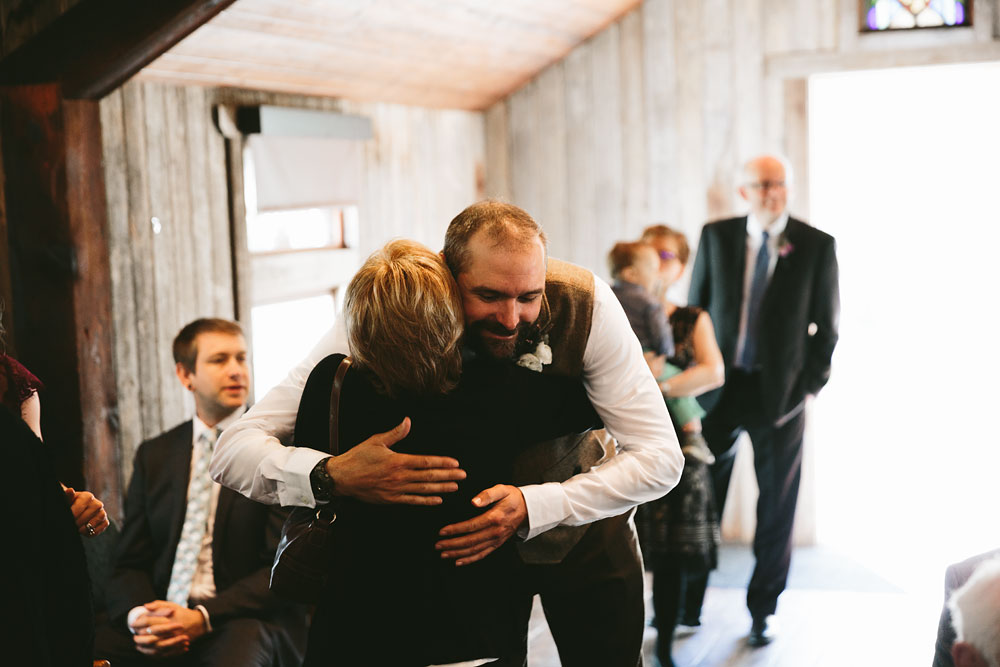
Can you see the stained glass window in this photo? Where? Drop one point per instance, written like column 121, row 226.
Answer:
column 879, row 15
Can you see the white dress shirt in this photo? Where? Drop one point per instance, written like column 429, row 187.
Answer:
column 755, row 236
column 203, row 580
column 250, row 458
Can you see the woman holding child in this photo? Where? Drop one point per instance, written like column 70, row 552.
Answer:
column 679, row 533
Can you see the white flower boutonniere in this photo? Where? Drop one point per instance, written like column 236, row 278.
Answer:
column 540, row 357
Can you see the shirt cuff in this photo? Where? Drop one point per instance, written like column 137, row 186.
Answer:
column 133, row 615
column 204, row 614
column 296, row 487
column 547, row 507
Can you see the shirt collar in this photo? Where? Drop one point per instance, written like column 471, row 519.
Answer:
column 756, row 230
column 200, row 426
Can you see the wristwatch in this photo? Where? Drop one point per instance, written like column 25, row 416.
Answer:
column 321, row 482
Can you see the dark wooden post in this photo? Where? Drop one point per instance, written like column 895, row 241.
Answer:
column 55, row 215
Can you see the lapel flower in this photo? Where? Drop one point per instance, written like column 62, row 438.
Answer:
column 785, row 247
column 541, row 356
column 533, row 349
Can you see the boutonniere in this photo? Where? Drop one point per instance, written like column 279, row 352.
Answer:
column 541, row 356
column 533, row 349
column 785, row 247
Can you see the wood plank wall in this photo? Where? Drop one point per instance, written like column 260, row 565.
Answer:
column 165, row 159
column 649, row 120
column 169, row 243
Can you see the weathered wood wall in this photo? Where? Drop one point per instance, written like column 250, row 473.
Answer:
column 168, row 223
column 650, row 119
column 165, row 160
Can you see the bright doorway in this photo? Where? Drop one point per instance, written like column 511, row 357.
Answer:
column 904, row 171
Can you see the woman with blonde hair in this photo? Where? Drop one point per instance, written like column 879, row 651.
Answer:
column 392, row 599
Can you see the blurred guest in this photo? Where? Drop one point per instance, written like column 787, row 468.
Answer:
column 769, row 282
column 975, row 612
column 954, row 577
column 19, row 393
column 47, row 617
column 193, row 566
column 679, row 533
column 47, row 614
column 635, row 268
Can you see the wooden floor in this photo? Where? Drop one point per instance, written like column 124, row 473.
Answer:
column 818, row 627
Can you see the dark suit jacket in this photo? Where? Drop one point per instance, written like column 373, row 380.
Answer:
column 244, row 538
column 955, row 576
column 803, row 291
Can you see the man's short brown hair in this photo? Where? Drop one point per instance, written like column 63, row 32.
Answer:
column 504, row 224
column 404, row 320
column 186, row 342
column 625, row 254
column 654, row 232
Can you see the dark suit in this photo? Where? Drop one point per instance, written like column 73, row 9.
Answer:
column 795, row 342
column 244, row 536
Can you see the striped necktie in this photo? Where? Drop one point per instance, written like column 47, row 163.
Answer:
column 195, row 520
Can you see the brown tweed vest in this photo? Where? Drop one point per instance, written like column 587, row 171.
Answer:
column 566, row 314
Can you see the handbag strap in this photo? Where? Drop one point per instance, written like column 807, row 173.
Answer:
column 338, row 382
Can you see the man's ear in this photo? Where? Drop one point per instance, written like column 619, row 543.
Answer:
column 966, row 655
column 183, row 375
column 743, row 192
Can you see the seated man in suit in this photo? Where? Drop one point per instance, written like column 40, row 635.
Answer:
column 193, row 566
column 975, row 612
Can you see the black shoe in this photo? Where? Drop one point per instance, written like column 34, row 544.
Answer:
column 762, row 632
column 691, row 621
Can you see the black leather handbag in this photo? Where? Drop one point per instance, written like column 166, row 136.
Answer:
column 303, row 559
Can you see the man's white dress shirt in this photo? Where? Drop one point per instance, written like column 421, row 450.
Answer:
column 250, row 458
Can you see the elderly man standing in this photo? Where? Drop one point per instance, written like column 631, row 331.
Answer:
column 769, row 282
column 519, row 305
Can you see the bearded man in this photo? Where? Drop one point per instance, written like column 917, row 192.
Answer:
column 573, row 499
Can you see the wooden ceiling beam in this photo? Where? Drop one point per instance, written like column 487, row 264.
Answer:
column 99, row 44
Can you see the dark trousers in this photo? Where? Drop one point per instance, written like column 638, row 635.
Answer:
column 670, row 581
column 239, row 642
column 593, row 599
column 777, row 459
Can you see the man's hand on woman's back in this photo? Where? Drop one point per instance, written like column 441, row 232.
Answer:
column 373, row 473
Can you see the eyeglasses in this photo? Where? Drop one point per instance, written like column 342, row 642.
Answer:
column 767, row 185
column 666, row 255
